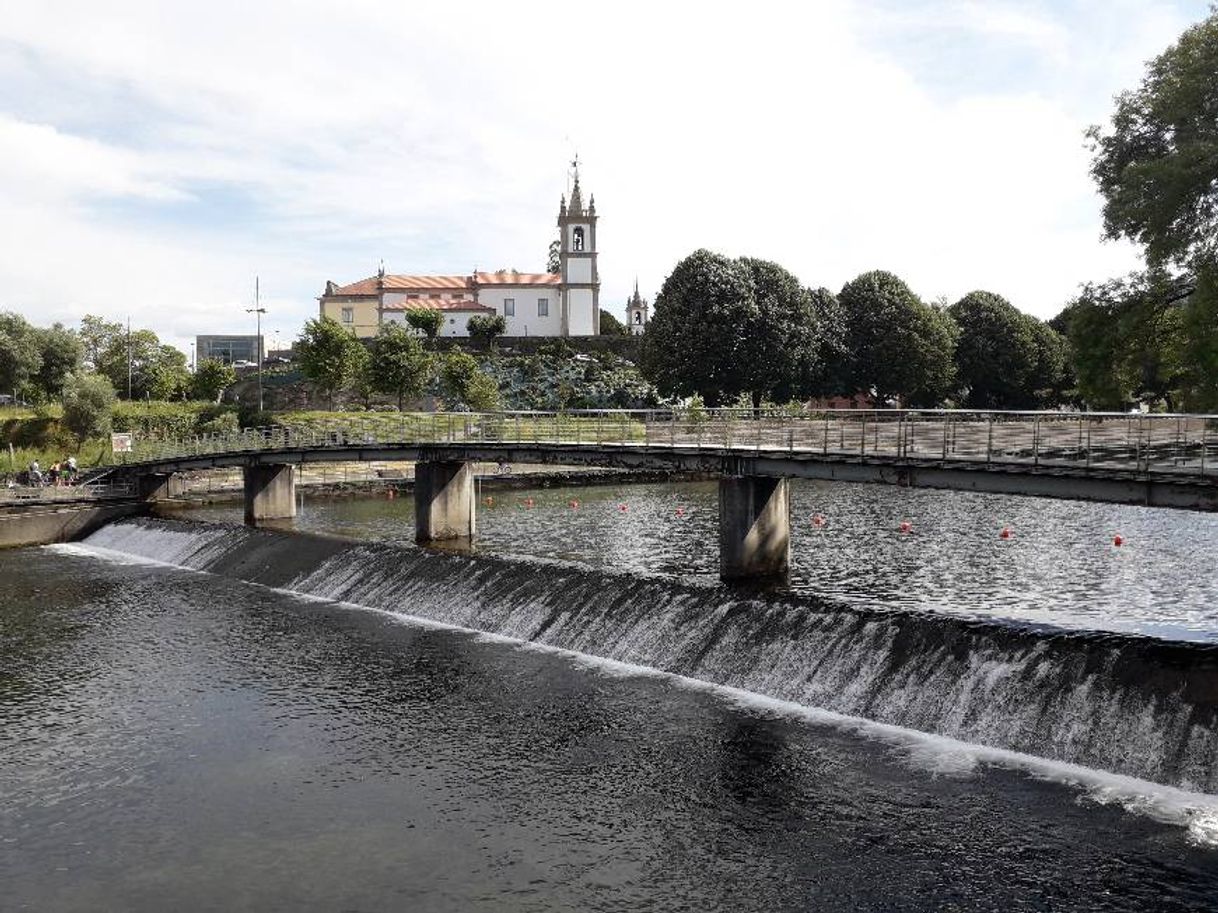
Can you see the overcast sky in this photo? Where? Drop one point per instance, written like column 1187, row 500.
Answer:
column 156, row 156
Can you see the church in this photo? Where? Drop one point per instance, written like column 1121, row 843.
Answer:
column 566, row 303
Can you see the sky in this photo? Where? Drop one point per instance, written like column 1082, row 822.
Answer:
column 155, row 157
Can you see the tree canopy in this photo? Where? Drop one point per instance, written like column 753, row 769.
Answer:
column 725, row 328
column 466, row 386
column 328, row 355
column 1157, row 165
column 897, row 346
column 427, row 321
column 87, row 403
column 399, row 364
column 611, row 326
column 210, row 379
column 484, row 328
column 997, row 352
column 35, row 361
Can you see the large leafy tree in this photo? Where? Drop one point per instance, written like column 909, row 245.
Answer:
column 210, row 379
column 695, row 342
column 157, row 371
column 87, row 403
column 328, row 355
column 62, row 353
column 725, row 328
column 996, row 352
column 399, row 364
column 898, row 346
column 833, row 361
column 20, row 353
column 1130, row 342
column 98, row 336
column 782, row 345
column 1157, row 165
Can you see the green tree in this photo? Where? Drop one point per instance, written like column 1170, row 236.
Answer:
column 897, row 345
column 427, row 321
column 87, row 402
column 211, row 378
column 833, row 359
column 996, row 352
column 1129, row 341
column 20, row 354
column 484, row 328
column 363, row 377
column 400, row 365
column 164, row 375
column 328, row 355
column 611, row 326
column 1052, row 378
column 782, row 344
column 62, row 354
column 464, row 384
column 1157, row 166
column 98, row 336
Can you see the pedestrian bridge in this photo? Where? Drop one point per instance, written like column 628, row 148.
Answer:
column 1156, row 460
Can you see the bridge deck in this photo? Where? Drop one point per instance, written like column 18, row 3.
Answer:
column 1159, row 460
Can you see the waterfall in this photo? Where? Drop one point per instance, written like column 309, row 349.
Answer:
column 1128, row 704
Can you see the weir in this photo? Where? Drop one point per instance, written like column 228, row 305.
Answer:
column 1128, row 704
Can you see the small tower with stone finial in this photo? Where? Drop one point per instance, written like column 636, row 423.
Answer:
column 637, row 310
column 580, row 288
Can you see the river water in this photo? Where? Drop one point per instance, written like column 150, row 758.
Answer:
column 197, row 716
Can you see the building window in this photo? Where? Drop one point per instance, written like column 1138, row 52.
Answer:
column 543, row 307
column 509, row 307
column 577, row 239
column 348, row 315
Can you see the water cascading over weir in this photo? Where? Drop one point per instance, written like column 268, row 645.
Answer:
column 1127, row 704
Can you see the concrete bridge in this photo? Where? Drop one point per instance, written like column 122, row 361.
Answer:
column 1157, row 460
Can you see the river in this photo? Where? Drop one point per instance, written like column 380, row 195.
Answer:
column 198, row 716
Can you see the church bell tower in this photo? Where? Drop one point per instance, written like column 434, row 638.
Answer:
column 581, row 282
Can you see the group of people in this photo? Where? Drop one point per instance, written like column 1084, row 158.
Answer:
column 62, row 472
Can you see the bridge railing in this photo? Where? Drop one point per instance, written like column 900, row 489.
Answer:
column 1184, row 444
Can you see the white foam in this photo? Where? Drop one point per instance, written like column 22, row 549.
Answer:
column 938, row 755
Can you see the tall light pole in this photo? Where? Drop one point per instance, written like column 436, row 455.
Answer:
column 258, row 311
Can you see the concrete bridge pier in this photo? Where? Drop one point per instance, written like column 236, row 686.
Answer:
column 158, row 486
column 443, row 501
column 270, row 492
column 754, row 527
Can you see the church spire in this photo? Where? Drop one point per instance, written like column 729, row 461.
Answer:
column 577, row 203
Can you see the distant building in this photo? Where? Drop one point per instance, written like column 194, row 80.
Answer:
column 566, row 303
column 637, row 310
column 229, row 349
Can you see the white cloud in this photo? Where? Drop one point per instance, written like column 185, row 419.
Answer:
column 159, row 155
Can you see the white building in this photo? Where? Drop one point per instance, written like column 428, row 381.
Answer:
column 566, row 303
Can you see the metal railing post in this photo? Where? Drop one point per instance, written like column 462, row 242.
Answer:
column 1036, row 441
column 989, row 438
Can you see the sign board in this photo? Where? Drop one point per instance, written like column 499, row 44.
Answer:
column 120, row 443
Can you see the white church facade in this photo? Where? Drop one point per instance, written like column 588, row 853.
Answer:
column 566, row 303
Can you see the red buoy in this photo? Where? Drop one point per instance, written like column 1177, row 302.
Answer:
column 573, row 503
column 818, row 520
column 680, row 511
column 1118, row 540
column 906, row 526
column 623, row 508
column 1006, row 533
column 528, row 502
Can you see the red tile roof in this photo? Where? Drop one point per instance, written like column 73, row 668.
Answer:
column 371, row 286
column 438, row 304
column 508, row 277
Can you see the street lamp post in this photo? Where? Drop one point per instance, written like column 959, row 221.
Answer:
column 258, row 311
